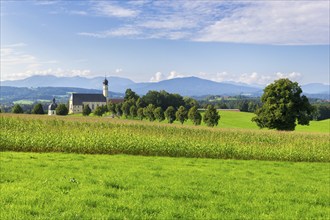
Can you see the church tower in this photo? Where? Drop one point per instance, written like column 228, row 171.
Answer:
column 105, row 88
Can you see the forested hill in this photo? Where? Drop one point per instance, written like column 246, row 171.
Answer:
column 11, row 94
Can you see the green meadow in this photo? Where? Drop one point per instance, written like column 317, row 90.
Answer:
column 81, row 186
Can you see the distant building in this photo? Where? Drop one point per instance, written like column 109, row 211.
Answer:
column 52, row 108
column 78, row 101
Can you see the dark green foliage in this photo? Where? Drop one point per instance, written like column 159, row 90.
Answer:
column 99, row 111
column 283, row 105
column 181, row 114
column 111, row 107
column 140, row 114
column 194, row 115
column 129, row 94
column 159, row 114
column 163, row 99
column 170, row 114
column 211, row 116
column 118, row 109
column 17, row 109
column 149, row 112
column 321, row 112
column 190, row 102
column 133, row 111
column 62, row 109
column 87, row 110
column 37, row 109
column 139, row 103
column 126, row 109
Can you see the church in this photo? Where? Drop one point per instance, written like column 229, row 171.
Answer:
column 79, row 100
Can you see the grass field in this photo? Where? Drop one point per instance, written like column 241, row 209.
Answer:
column 109, row 136
column 75, row 186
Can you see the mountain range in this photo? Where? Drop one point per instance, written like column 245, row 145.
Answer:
column 188, row 86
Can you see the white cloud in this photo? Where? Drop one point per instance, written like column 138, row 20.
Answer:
column 258, row 22
column 160, row 76
column 119, row 70
column 122, row 31
column 273, row 22
column 251, row 78
column 109, row 9
column 157, row 77
column 16, row 63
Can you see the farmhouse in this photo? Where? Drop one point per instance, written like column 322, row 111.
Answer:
column 79, row 100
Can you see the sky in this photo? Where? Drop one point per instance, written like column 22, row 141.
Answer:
column 254, row 42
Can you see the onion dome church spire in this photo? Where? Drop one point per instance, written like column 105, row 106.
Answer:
column 105, row 88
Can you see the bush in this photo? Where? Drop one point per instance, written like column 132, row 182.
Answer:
column 62, row 109
column 37, row 109
column 17, row 109
column 99, row 111
column 87, row 110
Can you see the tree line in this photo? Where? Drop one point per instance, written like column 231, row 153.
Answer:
column 158, row 106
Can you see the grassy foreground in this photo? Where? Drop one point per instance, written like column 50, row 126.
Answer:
column 73, row 186
column 108, row 136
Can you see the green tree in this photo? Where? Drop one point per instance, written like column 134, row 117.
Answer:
column 170, row 114
column 38, row 109
column 99, row 111
column 283, row 106
column 140, row 114
column 111, row 108
column 118, row 109
column 129, row 94
column 17, row 109
column 87, row 110
column 133, row 111
column 149, row 112
column 211, row 116
column 181, row 114
column 62, row 109
column 159, row 114
column 126, row 109
column 139, row 103
column 194, row 115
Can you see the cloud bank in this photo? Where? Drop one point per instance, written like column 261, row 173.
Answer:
column 256, row 22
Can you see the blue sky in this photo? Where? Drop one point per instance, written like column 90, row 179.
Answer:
column 252, row 42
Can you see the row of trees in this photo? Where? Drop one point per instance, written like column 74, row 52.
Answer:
column 38, row 109
column 158, row 106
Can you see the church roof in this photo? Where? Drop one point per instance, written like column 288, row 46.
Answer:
column 79, row 98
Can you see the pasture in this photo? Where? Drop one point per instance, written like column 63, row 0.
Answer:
column 76, row 186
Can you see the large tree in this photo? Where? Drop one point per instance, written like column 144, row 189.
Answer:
column 38, row 109
column 283, row 106
column 211, row 117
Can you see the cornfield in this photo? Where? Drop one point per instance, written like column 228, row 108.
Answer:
column 48, row 134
